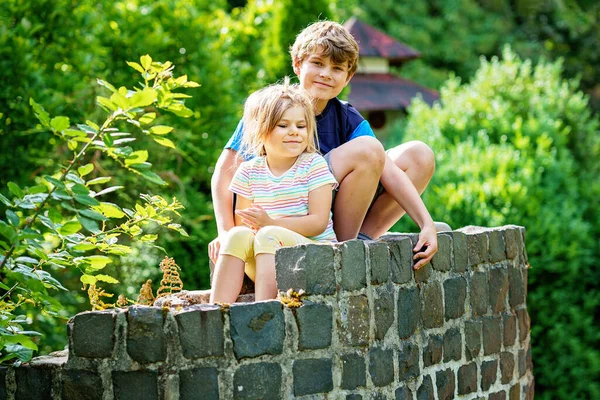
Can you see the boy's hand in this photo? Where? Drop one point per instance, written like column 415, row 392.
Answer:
column 255, row 217
column 426, row 247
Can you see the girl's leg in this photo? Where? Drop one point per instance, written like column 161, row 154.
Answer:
column 229, row 271
column 266, row 242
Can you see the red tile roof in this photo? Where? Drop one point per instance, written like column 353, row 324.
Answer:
column 379, row 92
column 374, row 43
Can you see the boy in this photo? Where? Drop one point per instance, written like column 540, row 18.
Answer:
column 375, row 188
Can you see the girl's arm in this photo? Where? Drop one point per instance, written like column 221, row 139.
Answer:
column 241, row 203
column 319, row 205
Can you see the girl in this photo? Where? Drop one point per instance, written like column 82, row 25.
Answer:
column 283, row 194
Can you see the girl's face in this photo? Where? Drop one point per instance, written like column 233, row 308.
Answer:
column 289, row 138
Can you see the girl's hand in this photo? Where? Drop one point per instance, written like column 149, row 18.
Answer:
column 255, row 217
column 426, row 247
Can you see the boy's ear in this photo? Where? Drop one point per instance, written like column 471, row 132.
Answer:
column 349, row 77
column 297, row 64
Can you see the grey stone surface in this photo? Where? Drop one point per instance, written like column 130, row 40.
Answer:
column 472, row 339
column 201, row 331
column 467, row 378
column 459, row 251
column 257, row 328
column 354, row 270
column 479, row 293
column 312, row 376
column 445, row 384
column 425, row 391
column 354, row 397
column 477, row 248
column 354, row 371
column 408, row 361
column 489, row 373
column 3, row 394
column 308, row 267
column 401, row 260
column 257, row 381
column 522, row 362
column 524, row 323
column 199, row 383
column 81, row 385
column 497, row 245
column 314, row 325
column 92, row 334
column 442, row 260
column 33, row 382
column 422, row 274
column 432, row 353
column 455, row 295
column 379, row 254
column 355, row 321
column 513, row 242
column 507, row 367
column 509, row 323
column 433, row 305
column 381, row 366
column 135, row 385
column 491, row 334
column 516, row 293
column 497, row 396
column 145, row 337
column 409, row 311
column 403, row 393
column 384, row 309
column 498, row 289
column 452, row 345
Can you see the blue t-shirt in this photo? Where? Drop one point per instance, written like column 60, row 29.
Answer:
column 339, row 123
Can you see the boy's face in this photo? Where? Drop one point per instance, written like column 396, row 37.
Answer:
column 322, row 78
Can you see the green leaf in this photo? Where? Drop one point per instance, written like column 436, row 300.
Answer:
column 40, row 113
column 137, row 157
column 161, row 130
column 16, row 190
column 27, row 260
column 92, row 124
column 99, row 181
column 74, row 178
column 89, row 224
column 16, row 350
column 72, row 145
column 143, row 98
column 106, row 85
column 147, row 118
column 164, row 141
column 108, row 190
column 88, row 279
column 37, row 189
column 180, row 110
column 70, row 228
column 54, row 215
column 95, row 262
column 4, row 200
column 84, row 247
column 149, row 238
column 120, row 100
column 13, row 218
column 55, row 182
column 86, row 169
column 110, row 210
column 106, row 278
column 93, row 215
column 74, row 133
column 146, row 61
column 3, row 286
column 136, row 66
column 152, row 177
column 61, row 195
column 108, row 140
column 80, row 189
column 86, row 200
column 191, row 84
column 59, row 124
column 103, row 101
column 87, row 129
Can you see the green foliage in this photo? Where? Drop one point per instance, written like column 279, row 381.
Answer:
column 62, row 221
column 518, row 145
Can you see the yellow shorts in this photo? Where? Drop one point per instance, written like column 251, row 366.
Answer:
column 243, row 243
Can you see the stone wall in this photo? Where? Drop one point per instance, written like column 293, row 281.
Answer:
column 369, row 328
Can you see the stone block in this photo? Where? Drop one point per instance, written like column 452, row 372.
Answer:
column 489, row 373
column 401, row 260
column 81, row 385
column 509, row 322
column 199, row 383
column 33, row 382
column 135, row 385
column 467, row 378
column 257, row 381
column 507, row 367
column 409, row 311
column 460, row 260
column 445, row 383
column 383, row 300
column 452, row 345
column 529, row 359
column 514, row 242
column 477, row 248
column 381, row 366
column 497, row 245
column 479, row 293
column 403, row 393
column 354, row 371
column 522, row 359
column 516, row 291
column 515, row 392
column 524, row 323
column 455, row 295
column 201, row 331
column 145, row 337
column 92, row 334
column 314, row 322
column 497, row 396
column 433, row 305
column 408, row 361
column 498, row 289
column 432, row 353
column 354, row 319
column 472, row 339
column 308, row 267
column 425, row 391
column 354, row 269
column 257, row 328
column 354, row 397
column 312, row 376
column 442, row 260
column 492, row 335
column 379, row 256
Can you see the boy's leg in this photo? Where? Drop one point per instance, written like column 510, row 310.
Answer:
column 228, row 277
column 357, row 166
column 418, row 161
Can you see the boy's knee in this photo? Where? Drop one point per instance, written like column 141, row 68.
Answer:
column 414, row 154
column 423, row 156
column 370, row 153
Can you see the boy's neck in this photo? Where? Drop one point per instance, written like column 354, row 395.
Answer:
column 320, row 106
column 280, row 165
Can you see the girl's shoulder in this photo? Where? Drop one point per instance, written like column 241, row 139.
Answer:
column 256, row 162
column 310, row 158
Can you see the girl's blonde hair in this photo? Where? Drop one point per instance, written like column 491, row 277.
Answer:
column 264, row 109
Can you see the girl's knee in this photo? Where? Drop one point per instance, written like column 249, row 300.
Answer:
column 240, row 233
column 268, row 233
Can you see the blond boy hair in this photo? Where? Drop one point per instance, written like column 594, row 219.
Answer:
column 265, row 108
column 330, row 39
